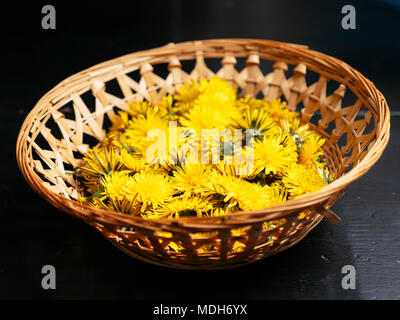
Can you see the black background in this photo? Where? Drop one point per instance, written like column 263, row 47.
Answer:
column 34, row 234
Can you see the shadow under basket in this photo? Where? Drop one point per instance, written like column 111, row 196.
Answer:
column 336, row 100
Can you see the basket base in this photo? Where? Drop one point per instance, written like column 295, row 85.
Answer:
column 215, row 264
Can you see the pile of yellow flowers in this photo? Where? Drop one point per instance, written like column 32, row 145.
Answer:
column 264, row 156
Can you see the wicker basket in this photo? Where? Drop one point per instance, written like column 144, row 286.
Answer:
column 337, row 101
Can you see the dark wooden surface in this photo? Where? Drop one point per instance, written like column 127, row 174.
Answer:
column 34, row 234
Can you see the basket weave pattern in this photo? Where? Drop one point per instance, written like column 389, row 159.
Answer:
column 73, row 116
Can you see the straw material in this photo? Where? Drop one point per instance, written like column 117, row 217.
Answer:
column 73, row 116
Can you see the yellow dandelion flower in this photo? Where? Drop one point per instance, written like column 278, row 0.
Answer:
column 277, row 110
column 245, row 103
column 151, row 120
column 298, row 133
column 220, row 89
column 215, row 145
column 210, row 146
column 311, row 151
column 155, row 168
column 119, row 121
column 136, row 133
column 129, row 141
column 137, row 108
column 185, row 149
column 273, row 154
column 189, row 178
column 112, row 140
column 166, row 107
column 114, row 196
column 132, row 162
column 98, row 161
column 182, row 207
column 154, row 150
column 300, row 180
column 209, row 112
column 115, row 183
column 214, row 107
column 151, row 190
column 258, row 197
column 237, row 193
column 277, row 194
column 186, row 95
column 241, row 164
column 256, row 119
column 166, row 103
column 171, row 149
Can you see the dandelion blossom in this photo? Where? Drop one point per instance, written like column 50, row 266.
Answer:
column 189, row 178
column 186, row 95
column 151, row 190
column 311, row 151
column 115, row 183
column 183, row 207
column 278, row 111
column 131, row 162
column 208, row 113
column 273, row 154
column 301, row 180
column 237, row 193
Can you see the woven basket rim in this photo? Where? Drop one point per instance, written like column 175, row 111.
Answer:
column 277, row 211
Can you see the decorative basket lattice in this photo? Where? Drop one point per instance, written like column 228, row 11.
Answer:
column 337, row 101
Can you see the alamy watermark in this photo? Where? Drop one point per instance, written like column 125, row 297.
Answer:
column 49, row 280
column 349, row 280
column 349, row 20
column 49, row 20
